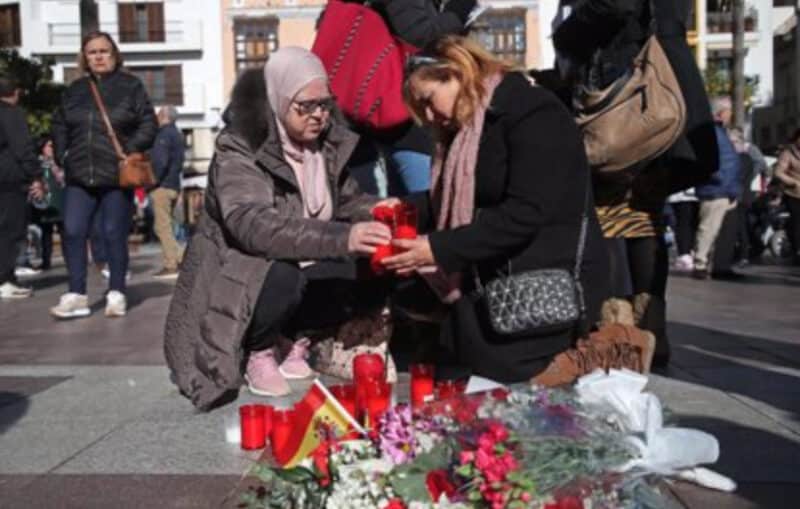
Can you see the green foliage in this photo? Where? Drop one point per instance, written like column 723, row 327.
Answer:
column 41, row 96
column 295, row 488
column 719, row 83
column 408, row 481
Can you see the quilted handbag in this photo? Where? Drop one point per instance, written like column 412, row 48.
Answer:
column 365, row 64
column 537, row 302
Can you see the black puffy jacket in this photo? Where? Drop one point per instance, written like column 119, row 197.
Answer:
column 83, row 147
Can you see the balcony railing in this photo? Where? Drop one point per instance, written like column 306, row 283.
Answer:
column 722, row 22
column 175, row 33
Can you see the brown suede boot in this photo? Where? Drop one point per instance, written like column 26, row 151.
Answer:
column 614, row 346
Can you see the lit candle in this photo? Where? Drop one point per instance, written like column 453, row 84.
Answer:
column 379, row 399
column 251, row 419
column 421, row 383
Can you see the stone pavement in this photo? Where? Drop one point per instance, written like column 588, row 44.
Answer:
column 88, row 417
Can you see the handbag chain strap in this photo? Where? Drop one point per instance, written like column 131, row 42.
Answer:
column 109, row 128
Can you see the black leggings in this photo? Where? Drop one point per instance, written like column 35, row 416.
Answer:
column 685, row 225
column 322, row 295
column 641, row 266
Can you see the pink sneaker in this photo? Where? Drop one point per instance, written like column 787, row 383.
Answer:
column 295, row 366
column 263, row 376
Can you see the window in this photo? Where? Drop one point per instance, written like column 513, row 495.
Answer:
column 254, row 40
column 9, row 26
column 503, row 32
column 164, row 84
column 141, row 22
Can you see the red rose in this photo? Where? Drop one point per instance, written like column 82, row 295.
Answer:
column 437, row 483
column 395, row 503
column 570, row 503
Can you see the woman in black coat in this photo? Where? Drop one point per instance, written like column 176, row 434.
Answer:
column 530, row 178
column 85, row 151
column 596, row 42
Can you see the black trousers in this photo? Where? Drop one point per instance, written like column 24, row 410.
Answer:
column 685, row 225
column 793, row 204
column 322, row 295
column 13, row 225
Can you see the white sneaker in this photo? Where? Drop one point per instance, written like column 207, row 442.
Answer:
column 107, row 274
column 684, row 263
column 71, row 305
column 116, row 305
column 26, row 272
column 9, row 290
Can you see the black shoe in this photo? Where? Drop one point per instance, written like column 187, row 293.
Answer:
column 701, row 274
column 727, row 275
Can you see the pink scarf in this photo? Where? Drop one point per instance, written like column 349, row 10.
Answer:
column 286, row 73
column 453, row 187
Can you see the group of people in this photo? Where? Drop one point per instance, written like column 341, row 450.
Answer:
column 498, row 175
column 74, row 184
column 280, row 253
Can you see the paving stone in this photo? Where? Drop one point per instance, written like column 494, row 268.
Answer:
column 122, row 492
column 747, row 496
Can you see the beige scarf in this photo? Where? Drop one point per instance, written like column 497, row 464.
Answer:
column 453, row 187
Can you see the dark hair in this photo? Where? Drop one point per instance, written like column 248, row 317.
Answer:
column 42, row 141
column 83, row 64
column 7, row 86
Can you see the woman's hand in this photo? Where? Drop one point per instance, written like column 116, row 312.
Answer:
column 417, row 253
column 37, row 190
column 365, row 236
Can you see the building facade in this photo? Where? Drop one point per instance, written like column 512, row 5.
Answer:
column 251, row 29
column 171, row 45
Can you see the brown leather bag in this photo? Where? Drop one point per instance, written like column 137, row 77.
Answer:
column 637, row 118
column 135, row 169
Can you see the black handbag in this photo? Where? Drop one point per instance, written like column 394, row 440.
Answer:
column 537, row 302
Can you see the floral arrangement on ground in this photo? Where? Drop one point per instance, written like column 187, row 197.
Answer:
column 526, row 447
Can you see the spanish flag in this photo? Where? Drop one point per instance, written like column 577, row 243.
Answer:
column 315, row 415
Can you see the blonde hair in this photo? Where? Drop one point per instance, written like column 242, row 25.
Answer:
column 453, row 57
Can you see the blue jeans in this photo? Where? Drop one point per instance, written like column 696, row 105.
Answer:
column 115, row 209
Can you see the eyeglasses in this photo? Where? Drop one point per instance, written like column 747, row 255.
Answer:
column 310, row 106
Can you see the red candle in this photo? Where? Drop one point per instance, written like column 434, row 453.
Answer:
column 282, row 423
column 421, row 383
column 381, row 252
column 384, row 214
column 251, row 418
column 406, row 221
column 368, row 366
column 346, row 396
column 446, row 389
column 379, row 398
column 268, row 411
column 406, row 232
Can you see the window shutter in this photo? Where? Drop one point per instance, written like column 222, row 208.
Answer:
column 173, row 76
column 127, row 22
column 155, row 22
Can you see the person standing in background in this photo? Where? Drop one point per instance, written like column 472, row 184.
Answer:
column 85, row 151
column 19, row 179
column 718, row 196
column 48, row 216
column 788, row 172
column 167, row 156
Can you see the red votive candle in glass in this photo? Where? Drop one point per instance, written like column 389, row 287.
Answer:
column 368, row 366
column 268, row 411
column 345, row 394
column 446, row 389
column 405, row 221
column 282, row 424
column 421, row 383
column 379, row 399
column 381, row 252
column 251, row 418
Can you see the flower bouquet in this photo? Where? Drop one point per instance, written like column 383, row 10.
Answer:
column 528, row 447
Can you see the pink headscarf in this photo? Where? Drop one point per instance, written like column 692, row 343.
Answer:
column 286, row 73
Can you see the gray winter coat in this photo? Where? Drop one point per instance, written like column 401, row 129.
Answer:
column 253, row 215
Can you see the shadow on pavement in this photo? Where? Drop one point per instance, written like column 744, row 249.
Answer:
column 762, row 463
column 140, row 292
column 13, row 406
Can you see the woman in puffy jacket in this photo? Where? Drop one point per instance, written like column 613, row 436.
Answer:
column 85, row 151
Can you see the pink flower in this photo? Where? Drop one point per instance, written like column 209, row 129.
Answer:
column 466, row 457
column 498, row 431
column 483, row 459
column 525, row 497
column 486, row 443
